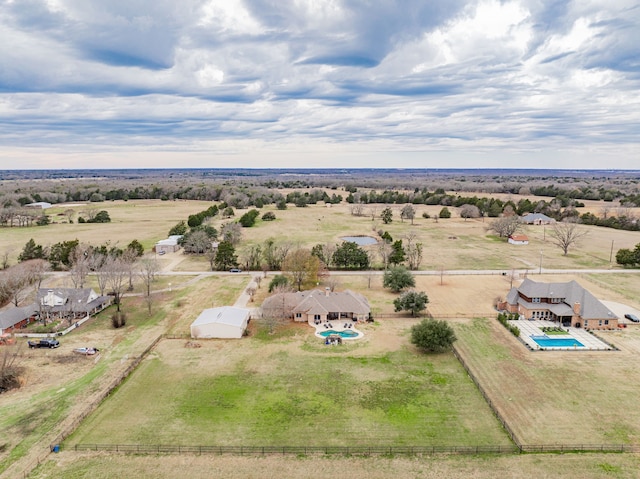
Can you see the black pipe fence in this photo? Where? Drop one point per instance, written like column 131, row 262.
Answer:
column 354, row 450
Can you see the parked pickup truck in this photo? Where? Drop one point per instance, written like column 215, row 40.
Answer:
column 45, row 343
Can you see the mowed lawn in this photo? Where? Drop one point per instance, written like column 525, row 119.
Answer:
column 562, row 397
column 294, row 391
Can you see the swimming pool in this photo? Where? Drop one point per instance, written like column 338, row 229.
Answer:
column 546, row 342
column 347, row 333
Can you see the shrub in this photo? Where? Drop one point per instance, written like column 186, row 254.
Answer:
column 432, row 335
column 268, row 216
column 248, row 219
column 504, row 317
column 118, row 319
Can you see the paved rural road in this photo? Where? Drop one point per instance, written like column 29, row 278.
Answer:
column 450, row 272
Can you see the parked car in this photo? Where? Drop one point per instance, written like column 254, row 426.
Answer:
column 632, row 317
column 235, row 270
column 44, row 343
column 161, row 253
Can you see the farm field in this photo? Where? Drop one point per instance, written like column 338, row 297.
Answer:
column 363, row 388
column 145, row 220
column 296, row 391
column 448, row 243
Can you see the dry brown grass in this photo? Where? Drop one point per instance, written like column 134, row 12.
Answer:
column 584, row 466
column 145, row 220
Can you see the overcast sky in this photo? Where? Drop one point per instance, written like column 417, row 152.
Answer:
column 320, row 83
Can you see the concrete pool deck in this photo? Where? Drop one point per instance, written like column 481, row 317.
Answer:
column 336, row 325
column 534, row 328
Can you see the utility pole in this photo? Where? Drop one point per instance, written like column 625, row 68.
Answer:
column 611, row 254
column 540, row 262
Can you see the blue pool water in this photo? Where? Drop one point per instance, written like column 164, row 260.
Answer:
column 347, row 333
column 557, row 342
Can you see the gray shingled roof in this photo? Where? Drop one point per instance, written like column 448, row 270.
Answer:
column 78, row 297
column 318, row 302
column 571, row 293
column 12, row 316
column 531, row 217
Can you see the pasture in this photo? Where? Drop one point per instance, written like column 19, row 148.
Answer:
column 377, row 390
column 452, row 243
column 296, row 391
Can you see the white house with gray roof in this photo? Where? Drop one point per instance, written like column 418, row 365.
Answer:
column 70, row 303
column 568, row 303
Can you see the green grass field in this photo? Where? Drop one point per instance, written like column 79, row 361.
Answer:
column 269, row 393
column 557, row 397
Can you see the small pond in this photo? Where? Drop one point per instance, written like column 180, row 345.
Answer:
column 360, row 240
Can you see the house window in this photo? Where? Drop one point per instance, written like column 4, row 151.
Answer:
column 298, row 315
column 606, row 321
column 600, row 322
column 535, row 300
column 586, row 323
column 556, row 300
column 316, row 316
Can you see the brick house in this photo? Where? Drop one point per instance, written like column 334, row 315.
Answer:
column 16, row 318
column 568, row 303
column 317, row 305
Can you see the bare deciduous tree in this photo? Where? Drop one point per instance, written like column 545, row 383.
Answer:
column 505, row 226
column 4, row 259
column 97, row 262
column 469, row 211
column 373, row 211
column 277, row 309
column 116, row 271
column 251, row 291
column 14, row 283
column 231, row 232
column 384, row 251
column 408, row 212
column 80, row 265
column 413, row 250
column 89, row 213
column 566, row 234
column 10, row 366
column 69, row 213
column 148, row 270
column 356, row 209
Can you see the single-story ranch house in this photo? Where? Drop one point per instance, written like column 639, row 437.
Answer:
column 70, row 303
column 317, row 305
column 568, row 303
column 225, row 322
column 16, row 318
column 537, row 219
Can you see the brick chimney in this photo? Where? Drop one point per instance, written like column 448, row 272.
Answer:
column 576, row 308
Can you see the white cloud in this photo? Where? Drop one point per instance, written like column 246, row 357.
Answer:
column 350, row 80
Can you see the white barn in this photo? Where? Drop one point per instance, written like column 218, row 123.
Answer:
column 169, row 245
column 224, row 322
